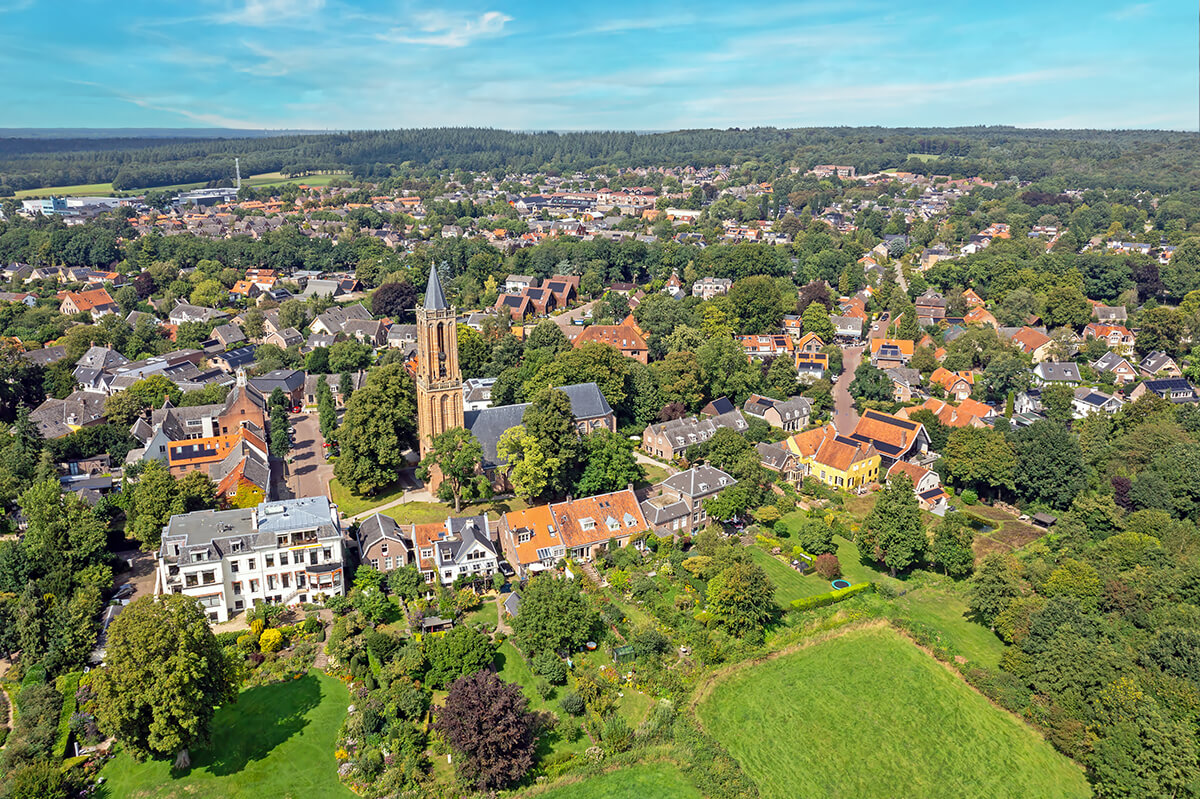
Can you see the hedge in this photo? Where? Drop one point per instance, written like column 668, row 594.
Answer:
column 4, row 714
column 831, row 597
column 67, row 684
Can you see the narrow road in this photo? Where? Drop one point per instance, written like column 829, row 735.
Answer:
column 564, row 319
column 310, row 471
column 844, row 416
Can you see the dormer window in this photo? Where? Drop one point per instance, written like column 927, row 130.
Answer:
column 587, row 523
column 612, row 524
column 703, row 487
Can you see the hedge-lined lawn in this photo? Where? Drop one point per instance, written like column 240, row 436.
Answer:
column 276, row 741
column 789, row 583
column 867, row 714
column 646, row 781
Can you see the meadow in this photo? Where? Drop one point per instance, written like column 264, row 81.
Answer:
column 868, row 715
column 657, row 780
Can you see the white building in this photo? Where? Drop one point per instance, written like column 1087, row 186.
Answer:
column 284, row 552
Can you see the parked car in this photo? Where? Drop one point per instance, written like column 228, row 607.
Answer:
column 125, row 591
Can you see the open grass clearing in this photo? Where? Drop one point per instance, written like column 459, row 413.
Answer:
column 867, row 715
column 276, row 741
column 790, row 584
column 658, row 780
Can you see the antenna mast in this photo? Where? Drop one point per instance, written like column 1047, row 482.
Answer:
column 238, row 169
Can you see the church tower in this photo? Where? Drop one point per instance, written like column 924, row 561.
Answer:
column 439, row 383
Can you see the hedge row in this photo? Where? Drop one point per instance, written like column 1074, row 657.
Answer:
column 4, row 713
column 831, row 597
column 68, row 685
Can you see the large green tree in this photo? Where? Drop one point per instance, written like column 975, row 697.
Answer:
column 458, row 457
column 609, row 464
column 893, row 533
column 1049, row 464
column 486, row 722
column 165, row 677
column 979, row 458
column 555, row 615
column 741, row 598
column 378, row 427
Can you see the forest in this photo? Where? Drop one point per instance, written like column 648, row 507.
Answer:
column 1151, row 160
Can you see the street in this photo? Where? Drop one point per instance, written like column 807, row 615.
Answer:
column 844, row 416
column 310, row 472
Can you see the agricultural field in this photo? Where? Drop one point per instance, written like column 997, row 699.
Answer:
column 256, row 746
column 658, row 780
column 106, row 189
column 866, row 715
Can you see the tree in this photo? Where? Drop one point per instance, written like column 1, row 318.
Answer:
column 893, row 533
column 458, row 457
column 165, row 677
column 379, row 425
column 994, row 586
column 609, row 464
column 1016, row 307
column 397, row 300
column 406, row 582
column 725, row 370
column 1161, row 329
column 1049, row 464
column 530, row 467
column 1058, row 402
column 40, row 779
column 367, row 595
column 679, row 379
column 316, row 362
column 741, row 598
column 551, row 420
column 870, row 384
column 60, row 527
column 547, row 337
column 816, row 538
column 473, row 352
column 155, row 498
column 952, row 539
column 1066, row 307
column 460, row 652
column 979, row 458
column 815, row 291
column 1181, row 275
column 486, row 723
column 816, row 320
column 758, row 302
column 780, row 380
column 1006, row 373
column 828, row 566
column 349, row 356
column 554, row 616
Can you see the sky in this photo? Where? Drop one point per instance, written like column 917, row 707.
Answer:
column 617, row 64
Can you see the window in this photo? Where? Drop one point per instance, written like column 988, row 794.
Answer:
column 238, row 604
column 270, row 582
column 209, row 577
column 283, row 558
column 237, row 588
column 270, row 560
column 285, row 580
column 328, row 554
column 191, row 580
column 254, row 586
column 383, row 548
column 523, row 537
column 587, row 523
column 233, row 566
column 387, row 564
column 374, row 563
column 250, row 563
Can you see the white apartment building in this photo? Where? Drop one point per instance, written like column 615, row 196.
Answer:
column 283, row 552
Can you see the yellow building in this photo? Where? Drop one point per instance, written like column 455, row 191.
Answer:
column 835, row 460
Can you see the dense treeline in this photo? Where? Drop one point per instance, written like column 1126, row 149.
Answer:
column 1156, row 160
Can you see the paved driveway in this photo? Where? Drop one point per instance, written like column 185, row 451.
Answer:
column 310, row 471
column 844, row 415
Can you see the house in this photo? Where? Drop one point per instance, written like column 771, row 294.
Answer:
column 535, row 539
column 186, row 312
column 371, row 332
column 766, row 346
column 889, row 352
column 400, row 336
column 894, row 438
column 972, row 299
column 1050, row 372
column 1159, row 364
column 233, row 360
column 1172, row 389
column 931, row 308
column 518, row 306
column 835, row 460
column 791, row 414
column 46, row 356
column 565, row 289
column 927, row 486
column 709, row 287
column 981, row 316
column 542, row 301
column 679, row 507
column 1110, row 314
column 477, row 393
column 456, row 547
column 23, row 297
column 244, row 289
column 322, row 288
column 1118, row 338
column 1122, row 370
column 718, row 407
column 95, row 302
column 906, row 383
column 669, row 440
column 958, row 385
column 335, row 320
column 1033, row 343
column 1087, row 401
column 227, row 334
column 285, row 338
column 516, row 284
column 385, row 545
column 56, row 418
column 289, row 381
column 781, row 460
column 968, row 413
column 624, row 337
column 847, row 329
column 286, row 552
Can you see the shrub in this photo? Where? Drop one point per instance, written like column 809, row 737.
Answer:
column 245, row 642
column 228, row 639
column 544, row 688
column 551, row 666
column 256, row 627
column 256, row 658
column 271, row 641
column 312, row 624
column 830, row 598
column 827, row 566
column 616, row 734
column 969, row 497
column 573, row 704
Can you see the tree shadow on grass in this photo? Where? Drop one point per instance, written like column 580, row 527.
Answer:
column 262, row 719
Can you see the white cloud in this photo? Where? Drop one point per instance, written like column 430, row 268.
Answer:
column 271, row 12
column 1135, row 11
column 439, row 29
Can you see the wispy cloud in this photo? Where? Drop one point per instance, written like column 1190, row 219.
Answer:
column 7, row 6
column 263, row 13
column 168, row 106
column 1135, row 11
column 440, row 29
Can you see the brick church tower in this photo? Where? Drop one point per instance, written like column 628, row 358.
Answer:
column 439, row 382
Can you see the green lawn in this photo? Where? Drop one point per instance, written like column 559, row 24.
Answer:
column 943, row 606
column 867, row 714
column 488, row 614
column 789, row 583
column 657, row 780
column 655, row 474
column 276, row 741
column 106, row 189
column 351, row 504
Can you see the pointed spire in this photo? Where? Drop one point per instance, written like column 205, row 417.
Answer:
column 435, row 300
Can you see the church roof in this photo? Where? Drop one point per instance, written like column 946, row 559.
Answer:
column 435, row 300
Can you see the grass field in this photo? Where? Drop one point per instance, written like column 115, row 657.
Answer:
column 867, row 714
column 276, row 741
column 105, row 189
column 789, row 583
column 657, row 780
column 351, row 504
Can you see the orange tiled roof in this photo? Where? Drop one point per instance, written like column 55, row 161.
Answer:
column 539, row 521
column 621, row 336
column 87, row 300
column 620, row 507
column 905, row 346
column 1030, row 340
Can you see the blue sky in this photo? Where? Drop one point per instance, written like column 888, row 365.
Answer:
column 597, row 65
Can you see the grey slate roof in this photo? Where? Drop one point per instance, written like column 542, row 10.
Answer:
column 1058, row 372
column 772, row 456
column 379, row 527
column 1155, row 362
column 1110, row 361
column 488, row 424
column 101, row 358
column 286, row 380
column 46, row 355
column 699, row 481
column 435, row 300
